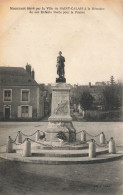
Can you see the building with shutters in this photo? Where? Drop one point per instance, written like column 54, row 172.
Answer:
column 20, row 95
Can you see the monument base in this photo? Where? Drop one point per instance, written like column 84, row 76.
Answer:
column 60, row 120
column 55, row 127
column 61, row 80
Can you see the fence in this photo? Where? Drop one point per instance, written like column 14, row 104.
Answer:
column 95, row 115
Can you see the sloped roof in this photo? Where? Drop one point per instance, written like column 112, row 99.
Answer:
column 15, row 76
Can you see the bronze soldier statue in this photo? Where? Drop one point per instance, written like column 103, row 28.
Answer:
column 60, row 65
column 60, row 68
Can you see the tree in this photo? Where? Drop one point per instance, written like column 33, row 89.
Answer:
column 112, row 82
column 112, row 96
column 86, row 100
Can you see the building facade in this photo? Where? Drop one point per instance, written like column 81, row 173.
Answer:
column 20, row 94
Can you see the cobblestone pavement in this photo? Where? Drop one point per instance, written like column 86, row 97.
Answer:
column 95, row 179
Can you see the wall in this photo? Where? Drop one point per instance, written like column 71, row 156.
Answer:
column 95, row 115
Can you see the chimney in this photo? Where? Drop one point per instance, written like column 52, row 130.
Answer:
column 89, row 84
column 33, row 74
column 28, row 69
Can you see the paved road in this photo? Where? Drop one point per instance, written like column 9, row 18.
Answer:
column 94, row 179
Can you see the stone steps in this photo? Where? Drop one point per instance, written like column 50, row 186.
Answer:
column 62, row 147
column 63, row 157
column 47, row 146
column 63, row 153
column 61, row 160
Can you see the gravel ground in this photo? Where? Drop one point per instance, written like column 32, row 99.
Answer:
column 92, row 179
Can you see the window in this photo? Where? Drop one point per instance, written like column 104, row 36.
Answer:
column 25, row 95
column 7, row 95
column 25, row 111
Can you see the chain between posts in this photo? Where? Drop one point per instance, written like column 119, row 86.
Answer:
column 106, row 145
column 57, row 132
column 106, row 141
column 92, row 135
column 40, row 143
column 99, row 145
column 30, row 134
column 78, row 132
column 88, row 133
column 14, row 142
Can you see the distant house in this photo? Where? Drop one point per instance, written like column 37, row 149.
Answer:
column 95, row 90
column 100, row 83
column 20, row 95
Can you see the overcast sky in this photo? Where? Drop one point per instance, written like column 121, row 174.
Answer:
column 92, row 43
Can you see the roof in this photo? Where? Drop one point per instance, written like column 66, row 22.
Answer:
column 93, row 89
column 15, row 76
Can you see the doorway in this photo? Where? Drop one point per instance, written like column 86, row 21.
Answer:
column 7, row 113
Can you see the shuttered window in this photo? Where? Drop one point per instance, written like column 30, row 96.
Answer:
column 25, row 109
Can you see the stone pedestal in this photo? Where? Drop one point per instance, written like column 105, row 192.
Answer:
column 60, row 119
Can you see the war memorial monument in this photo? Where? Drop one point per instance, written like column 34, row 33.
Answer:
column 60, row 119
column 57, row 144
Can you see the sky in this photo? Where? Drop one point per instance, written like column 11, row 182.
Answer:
column 92, row 43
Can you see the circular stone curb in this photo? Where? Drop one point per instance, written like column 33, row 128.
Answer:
column 59, row 160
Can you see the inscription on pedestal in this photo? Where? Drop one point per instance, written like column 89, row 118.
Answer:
column 61, row 109
column 60, row 103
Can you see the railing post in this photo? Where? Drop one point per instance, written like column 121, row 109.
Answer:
column 19, row 137
column 27, row 148
column 83, row 136
column 112, row 148
column 102, row 138
column 37, row 136
column 9, row 147
column 92, row 148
